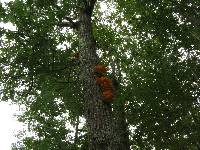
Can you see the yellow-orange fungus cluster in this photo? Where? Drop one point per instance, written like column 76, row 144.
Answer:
column 100, row 68
column 108, row 95
column 105, row 83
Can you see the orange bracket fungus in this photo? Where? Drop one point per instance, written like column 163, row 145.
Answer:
column 104, row 82
column 100, row 68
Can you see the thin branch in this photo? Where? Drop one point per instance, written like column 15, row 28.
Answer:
column 70, row 23
column 69, row 19
column 76, row 130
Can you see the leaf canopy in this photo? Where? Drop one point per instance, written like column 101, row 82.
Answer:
column 152, row 47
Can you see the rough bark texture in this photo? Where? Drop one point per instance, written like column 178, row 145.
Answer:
column 98, row 114
column 120, row 123
column 121, row 127
column 100, row 122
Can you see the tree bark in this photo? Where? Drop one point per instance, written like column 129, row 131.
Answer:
column 99, row 118
column 98, row 114
column 120, row 123
column 121, row 126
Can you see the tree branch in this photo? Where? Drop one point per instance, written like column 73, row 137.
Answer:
column 70, row 23
column 89, row 6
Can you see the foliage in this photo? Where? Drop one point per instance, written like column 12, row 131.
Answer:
column 152, row 47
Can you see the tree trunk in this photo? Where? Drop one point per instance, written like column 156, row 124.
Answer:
column 120, row 123
column 98, row 114
column 121, row 127
column 99, row 119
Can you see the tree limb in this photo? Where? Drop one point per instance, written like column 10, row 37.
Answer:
column 89, row 6
column 70, row 23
